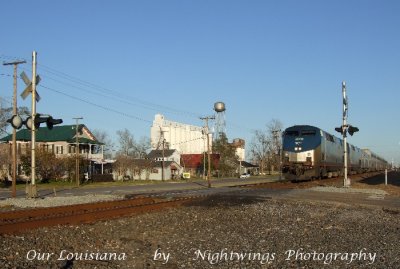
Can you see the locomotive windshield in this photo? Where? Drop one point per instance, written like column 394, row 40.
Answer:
column 302, row 133
column 292, row 133
column 308, row 132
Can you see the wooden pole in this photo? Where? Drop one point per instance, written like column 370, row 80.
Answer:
column 14, row 135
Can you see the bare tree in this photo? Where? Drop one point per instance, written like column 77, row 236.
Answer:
column 142, row 147
column 259, row 149
column 126, row 142
column 266, row 146
column 123, row 166
column 103, row 137
column 4, row 160
column 275, row 136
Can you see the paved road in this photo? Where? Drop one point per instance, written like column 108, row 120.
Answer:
column 139, row 189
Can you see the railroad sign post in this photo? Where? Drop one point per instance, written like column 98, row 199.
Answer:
column 346, row 180
column 343, row 130
column 31, row 88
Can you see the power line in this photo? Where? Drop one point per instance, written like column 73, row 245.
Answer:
column 112, row 110
column 96, row 105
column 7, row 57
column 97, row 90
column 115, row 93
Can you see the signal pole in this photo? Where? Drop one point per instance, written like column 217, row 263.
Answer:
column 32, row 189
column 77, row 151
column 208, row 147
column 346, row 180
column 14, row 135
column 343, row 130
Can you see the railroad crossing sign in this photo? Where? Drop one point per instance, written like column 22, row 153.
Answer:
column 28, row 88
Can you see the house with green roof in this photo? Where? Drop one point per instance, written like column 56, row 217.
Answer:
column 62, row 140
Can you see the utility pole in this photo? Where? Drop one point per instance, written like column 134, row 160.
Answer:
column 204, row 155
column 77, row 151
column 163, row 157
column 14, row 135
column 208, row 147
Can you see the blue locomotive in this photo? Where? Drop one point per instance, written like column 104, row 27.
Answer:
column 309, row 152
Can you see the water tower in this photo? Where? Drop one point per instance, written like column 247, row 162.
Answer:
column 220, row 124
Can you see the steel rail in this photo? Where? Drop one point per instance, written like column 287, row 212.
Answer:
column 22, row 220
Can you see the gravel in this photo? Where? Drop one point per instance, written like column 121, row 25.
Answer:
column 217, row 233
column 349, row 190
column 56, row 201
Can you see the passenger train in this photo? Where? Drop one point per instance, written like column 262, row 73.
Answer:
column 309, row 152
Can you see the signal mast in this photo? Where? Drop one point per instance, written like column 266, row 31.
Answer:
column 343, row 130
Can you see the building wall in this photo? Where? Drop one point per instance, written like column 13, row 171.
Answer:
column 154, row 173
column 186, row 139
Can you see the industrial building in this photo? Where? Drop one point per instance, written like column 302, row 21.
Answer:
column 185, row 138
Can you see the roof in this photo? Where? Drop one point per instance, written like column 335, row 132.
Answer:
column 173, row 164
column 195, row 160
column 58, row 133
column 191, row 160
column 156, row 153
column 84, row 140
column 247, row 164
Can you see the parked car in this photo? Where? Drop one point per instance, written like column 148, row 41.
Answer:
column 245, row 175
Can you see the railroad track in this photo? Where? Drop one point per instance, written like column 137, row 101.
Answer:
column 22, row 220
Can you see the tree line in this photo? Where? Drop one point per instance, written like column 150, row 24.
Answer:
column 264, row 151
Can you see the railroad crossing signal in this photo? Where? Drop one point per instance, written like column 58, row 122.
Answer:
column 352, row 130
column 17, row 122
column 28, row 88
column 339, row 130
column 347, row 129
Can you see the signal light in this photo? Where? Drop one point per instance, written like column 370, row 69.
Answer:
column 17, row 122
column 352, row 130
column 50, row 122
column 38, row 120
column 339, row 129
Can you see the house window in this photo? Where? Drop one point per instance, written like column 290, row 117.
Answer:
column 48, row 147
column 59, row 150
column 71, row 149
column 154, row 171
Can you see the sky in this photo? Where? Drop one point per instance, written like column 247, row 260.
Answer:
column 118, row 63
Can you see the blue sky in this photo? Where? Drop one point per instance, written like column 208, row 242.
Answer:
column 265, row 59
